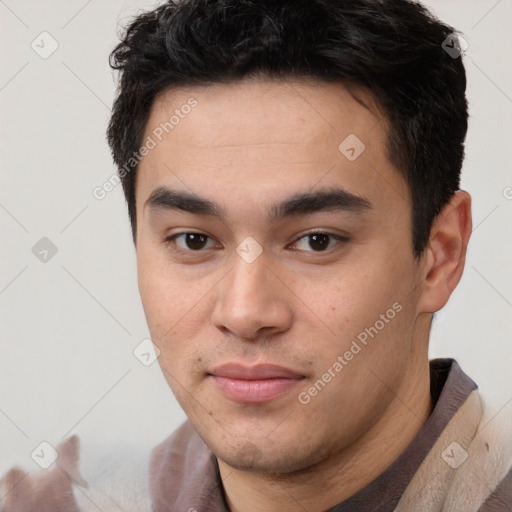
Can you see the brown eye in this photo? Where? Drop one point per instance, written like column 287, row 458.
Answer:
column 317, row 242
column 190, row 241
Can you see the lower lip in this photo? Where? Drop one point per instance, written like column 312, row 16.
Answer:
column 254, row 391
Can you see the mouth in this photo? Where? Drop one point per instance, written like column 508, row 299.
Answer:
column 254, row 384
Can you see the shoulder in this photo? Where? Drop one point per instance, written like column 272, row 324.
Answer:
column 487, row 472
column 500, row 499
column 467, row 468
column 494, row 442
column 183, row 471
column 179, row 455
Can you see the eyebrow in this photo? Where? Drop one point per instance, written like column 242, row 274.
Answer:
column 330, row 199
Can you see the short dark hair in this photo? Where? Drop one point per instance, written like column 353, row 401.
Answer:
column 392, row 48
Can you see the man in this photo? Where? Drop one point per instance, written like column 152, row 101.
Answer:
column 292, row 177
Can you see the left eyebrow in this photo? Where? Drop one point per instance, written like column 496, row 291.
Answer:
column 330, row 199
column 333, row 199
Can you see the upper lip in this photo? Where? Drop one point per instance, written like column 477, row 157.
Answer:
column 259, row 371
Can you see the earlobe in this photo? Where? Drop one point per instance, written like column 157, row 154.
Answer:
column 446, row 253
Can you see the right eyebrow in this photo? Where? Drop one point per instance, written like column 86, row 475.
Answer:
column 168, row 199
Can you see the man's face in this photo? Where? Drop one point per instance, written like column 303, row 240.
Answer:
column 338, row 310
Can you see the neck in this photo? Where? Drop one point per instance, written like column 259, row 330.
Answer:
column 345, row 473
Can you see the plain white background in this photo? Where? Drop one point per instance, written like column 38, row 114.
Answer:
column 69, row 325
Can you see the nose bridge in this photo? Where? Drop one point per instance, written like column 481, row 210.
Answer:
column 248, row 279
column 250, row 298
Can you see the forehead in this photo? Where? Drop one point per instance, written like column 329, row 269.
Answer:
column 256, row 140
column 320, row 109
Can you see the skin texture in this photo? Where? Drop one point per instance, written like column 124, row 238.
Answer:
column 246, row 146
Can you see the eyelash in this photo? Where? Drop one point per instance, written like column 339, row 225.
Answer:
column 171, row 240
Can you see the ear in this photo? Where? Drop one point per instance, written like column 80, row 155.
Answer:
column 446, row 253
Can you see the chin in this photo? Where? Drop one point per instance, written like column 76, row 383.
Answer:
column 268, row 460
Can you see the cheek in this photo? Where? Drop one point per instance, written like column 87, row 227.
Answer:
column 163, row 297
column 344, row 299
column 360, row 302
column 161, row 283
column 176, row 308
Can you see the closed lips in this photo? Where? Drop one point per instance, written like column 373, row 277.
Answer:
column 258, row 372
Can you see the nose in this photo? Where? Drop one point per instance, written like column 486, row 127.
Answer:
column 253, row 300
